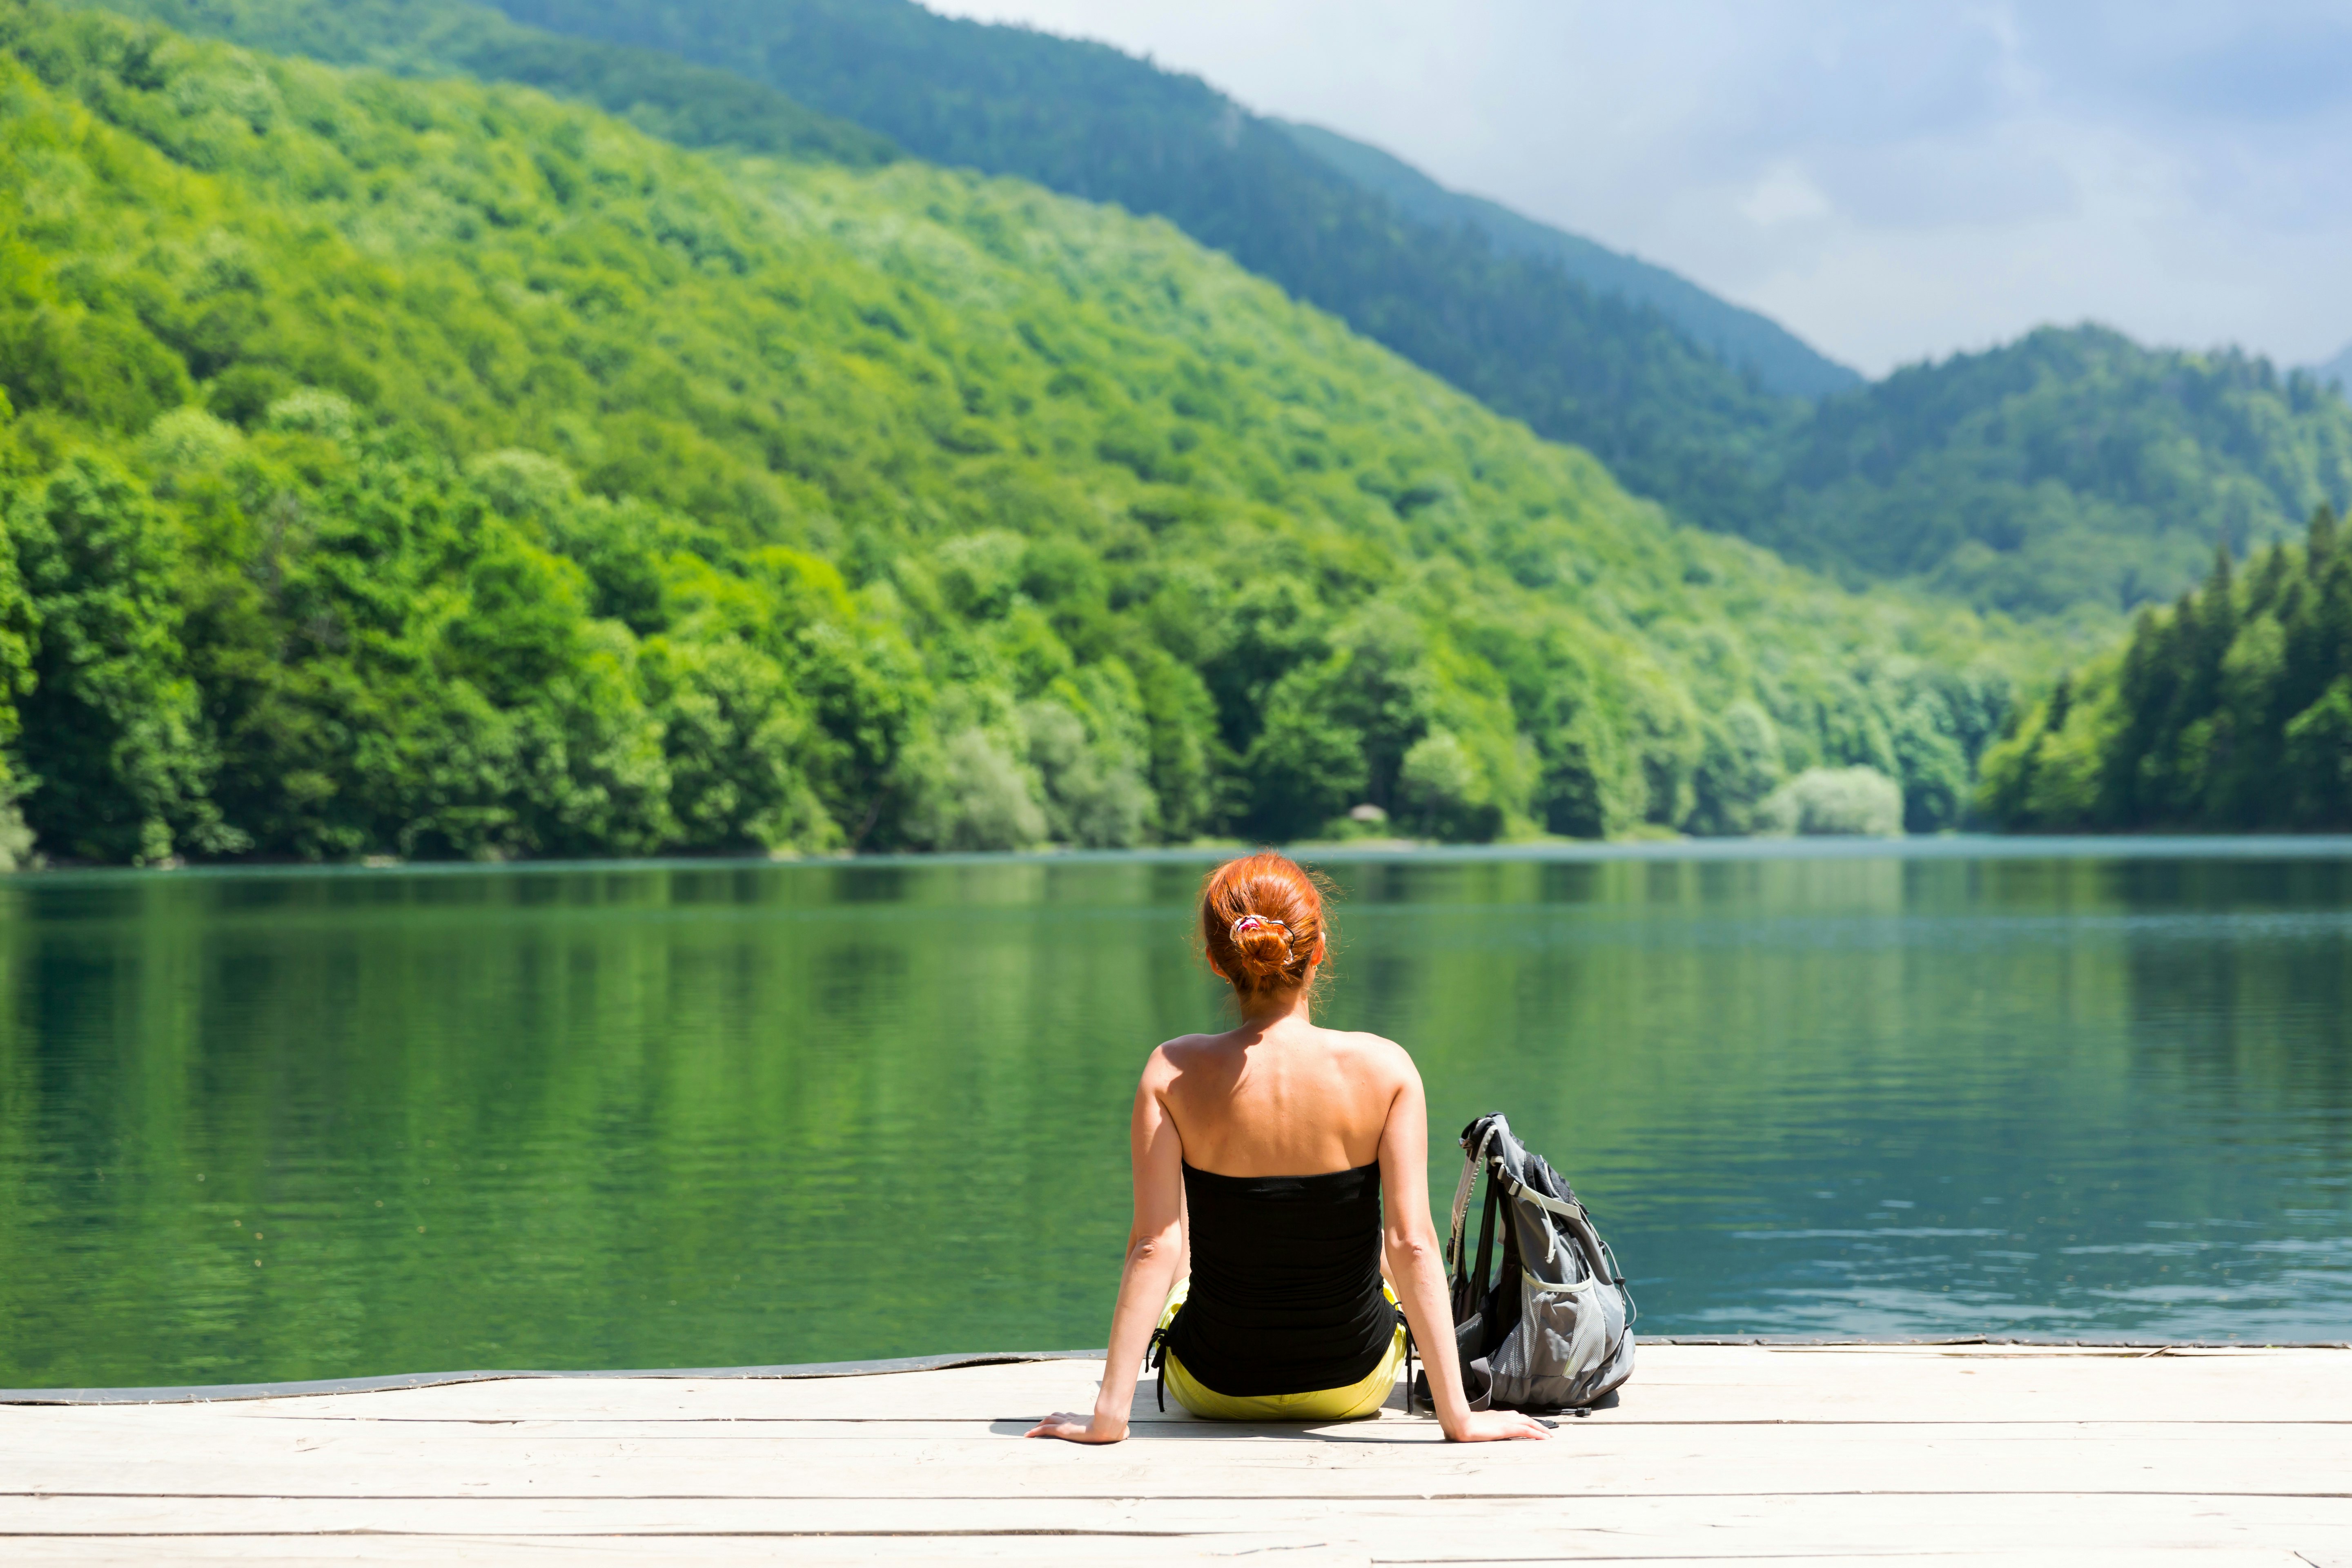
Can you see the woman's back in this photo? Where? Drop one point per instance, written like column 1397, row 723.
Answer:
column 1283, row 1098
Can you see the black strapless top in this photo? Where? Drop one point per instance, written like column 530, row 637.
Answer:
column 1285, row 1282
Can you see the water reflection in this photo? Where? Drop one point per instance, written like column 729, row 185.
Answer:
column 308, row 1125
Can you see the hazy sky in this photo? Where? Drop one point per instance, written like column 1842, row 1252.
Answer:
column 1891, row 181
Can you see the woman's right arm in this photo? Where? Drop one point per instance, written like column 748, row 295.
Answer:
column 1155, row 1251
column 1411, row 1242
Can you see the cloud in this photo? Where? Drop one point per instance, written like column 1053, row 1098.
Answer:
column 1890, row 181
column 1786, row 194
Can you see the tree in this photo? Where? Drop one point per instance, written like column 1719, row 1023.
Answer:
column 114, row 742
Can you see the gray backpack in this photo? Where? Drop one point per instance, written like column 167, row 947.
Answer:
column 1553, row 1328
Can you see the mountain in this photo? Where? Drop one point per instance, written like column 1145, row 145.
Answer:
column 1782, row 361
column 1603, row 371
column 2069, row 475
column 429, row 467
column 694, row 106
column 2071, row 471
column 2335, row 373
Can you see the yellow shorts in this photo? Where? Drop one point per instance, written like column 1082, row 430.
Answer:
column 1352, row 1403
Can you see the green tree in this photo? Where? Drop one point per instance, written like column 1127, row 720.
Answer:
column 114, row 739
column 2226, row 714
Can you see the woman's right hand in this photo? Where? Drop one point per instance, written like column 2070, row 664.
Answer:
column 1496, row 1427
column 1069, row 1428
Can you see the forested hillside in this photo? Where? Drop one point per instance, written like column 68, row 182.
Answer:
column 432, row 469
column 694, row 105
column 2068, row 472
column 2070, row 468
column 1514, row 330
column 2073, row 474
column 2230, row 711
column 1782, row 362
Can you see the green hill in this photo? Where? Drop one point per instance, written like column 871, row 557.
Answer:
column 692, row 105
column 433, row 469
column 2072, row 470
column 1515, row 330
column 2230, row 711
column 2071, row 474
column 1782, row 361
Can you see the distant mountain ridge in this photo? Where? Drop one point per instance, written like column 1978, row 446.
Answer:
column 2337, row 372
column 2070, row 469
column 1743, row 339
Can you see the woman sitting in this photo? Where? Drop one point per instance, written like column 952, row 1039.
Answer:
column 1279, row 1138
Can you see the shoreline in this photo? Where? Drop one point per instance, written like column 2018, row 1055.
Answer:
column 1922, row 846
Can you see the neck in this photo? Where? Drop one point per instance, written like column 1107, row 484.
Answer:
column 1267, row 1011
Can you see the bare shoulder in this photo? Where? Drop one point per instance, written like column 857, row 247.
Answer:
column 1376, row 1055
column 1170, row 1057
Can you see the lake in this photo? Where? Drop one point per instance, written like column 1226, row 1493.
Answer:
column 265, row 1125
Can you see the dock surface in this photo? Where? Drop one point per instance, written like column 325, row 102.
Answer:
column 1716, row 1453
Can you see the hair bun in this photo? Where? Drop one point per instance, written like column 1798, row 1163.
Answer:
column 1262, row 944
column 1261, row 924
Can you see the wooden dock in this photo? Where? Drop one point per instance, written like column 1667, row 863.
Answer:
column 1717, row 1454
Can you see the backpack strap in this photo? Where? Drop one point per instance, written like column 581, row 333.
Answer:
column 1466, row 1293
column 1471, row 1160
column 1600, row 1262
column 1512, row 1264
column 1472, row 1285
column 1453, row 1259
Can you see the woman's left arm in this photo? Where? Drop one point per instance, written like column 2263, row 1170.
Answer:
column 1155, row 1248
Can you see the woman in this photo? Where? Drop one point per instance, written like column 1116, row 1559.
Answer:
column 1280, row 1140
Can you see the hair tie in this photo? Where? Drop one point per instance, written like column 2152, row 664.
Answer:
column 1256, row 922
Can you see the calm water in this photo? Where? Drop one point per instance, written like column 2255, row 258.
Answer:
column 309, row 1125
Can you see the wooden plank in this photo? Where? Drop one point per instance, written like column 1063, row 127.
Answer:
column 1049, row 1550
column 1291, row 1550
column 1239, row 1552
column 1717, row 1453
column 1397, row 1530
column 717, row 1461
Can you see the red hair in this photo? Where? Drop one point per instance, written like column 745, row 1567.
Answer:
column 1262, row 923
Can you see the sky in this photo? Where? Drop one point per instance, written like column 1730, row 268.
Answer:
column 1891, row 182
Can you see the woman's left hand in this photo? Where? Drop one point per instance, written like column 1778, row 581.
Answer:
column 1079, row 1429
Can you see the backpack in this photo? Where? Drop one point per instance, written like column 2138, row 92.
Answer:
column 1553, row 1329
